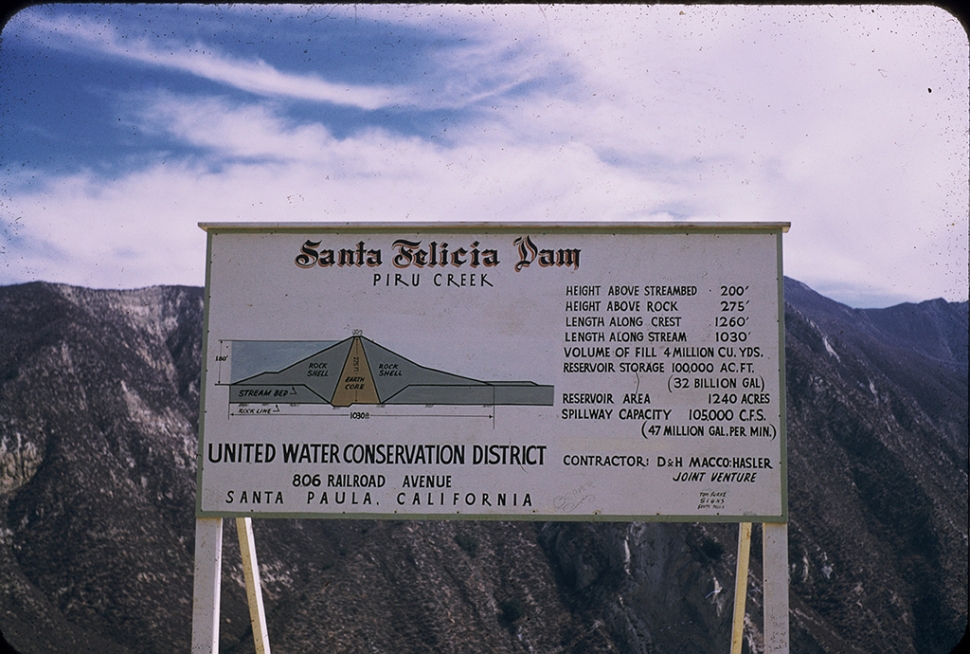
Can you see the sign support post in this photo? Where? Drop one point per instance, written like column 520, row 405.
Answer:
column 254, row 592
column 208, row 577
column 774, row 545
column 741, row 586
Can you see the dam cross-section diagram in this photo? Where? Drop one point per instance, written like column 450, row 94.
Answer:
column 358, row 371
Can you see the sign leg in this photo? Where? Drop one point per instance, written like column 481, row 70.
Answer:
column 205, row 593
column 775, row 557
column 254, row 592
column 741, row 587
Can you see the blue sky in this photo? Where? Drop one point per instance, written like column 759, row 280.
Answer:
column 124, row 126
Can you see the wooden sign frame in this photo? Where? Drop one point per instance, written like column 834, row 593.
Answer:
column 388, row 371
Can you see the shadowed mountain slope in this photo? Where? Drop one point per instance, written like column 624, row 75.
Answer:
column 98, row 419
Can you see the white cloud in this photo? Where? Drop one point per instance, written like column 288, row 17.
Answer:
column 140, row 228
column 481, row 68
column 231, row 131
column 852, row 127
column 251, row 75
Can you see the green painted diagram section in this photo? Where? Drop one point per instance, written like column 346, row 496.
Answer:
column 250, row 358
column 312, row 380
column 317, row 379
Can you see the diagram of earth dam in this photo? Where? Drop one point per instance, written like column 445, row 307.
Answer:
column 358, row 371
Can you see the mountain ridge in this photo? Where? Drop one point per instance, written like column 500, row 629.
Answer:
column 98, row 421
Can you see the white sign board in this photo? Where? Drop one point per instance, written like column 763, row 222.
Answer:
column 478, row 371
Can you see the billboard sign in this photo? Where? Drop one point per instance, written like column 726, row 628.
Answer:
column 530, row 371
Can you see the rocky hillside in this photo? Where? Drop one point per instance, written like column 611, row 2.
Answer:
column 98, row 416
